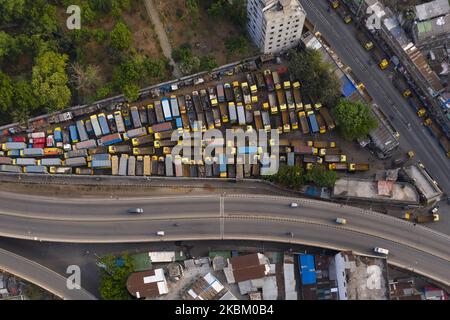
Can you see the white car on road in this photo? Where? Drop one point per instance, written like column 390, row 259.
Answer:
column 381, row 250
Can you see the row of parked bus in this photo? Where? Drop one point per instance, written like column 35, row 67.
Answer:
column 145, row 130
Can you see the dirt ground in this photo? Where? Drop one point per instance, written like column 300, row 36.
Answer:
column 145, row 40
column 207, row 37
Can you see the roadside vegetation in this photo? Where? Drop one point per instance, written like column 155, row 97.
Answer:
column 294, row 177
column 45, row 67
column 354, row 119
column 114, row 275
column 315, row 75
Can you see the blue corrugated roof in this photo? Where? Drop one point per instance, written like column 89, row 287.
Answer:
column 348, row 88
column 307, row 269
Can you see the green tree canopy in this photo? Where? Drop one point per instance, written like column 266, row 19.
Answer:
column 6, row 92
column 11, row 9
column 321, row 177
column 288, row 176
column 120, row 37
column 354, row 119
column 208, row 62
column 49, row 81
column 315, row 76
column 235, row 44
column 25, row 102
column 113, row 280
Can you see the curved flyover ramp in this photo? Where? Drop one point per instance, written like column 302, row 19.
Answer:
column 41, row 276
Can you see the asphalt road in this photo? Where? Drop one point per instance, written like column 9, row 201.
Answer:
column 40, row 275
column 342, row 39
column 247, row 217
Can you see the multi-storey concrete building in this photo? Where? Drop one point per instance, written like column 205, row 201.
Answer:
column 275, row 25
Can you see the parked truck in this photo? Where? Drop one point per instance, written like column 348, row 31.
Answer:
column 269, row 80
column 147, row 166
column 114, row 165
column 60, row 170
column 313, row 122
column 161, row 127
column 119, row 122
column 327, row 117
column 159, row 112
column 166, row 109
column 260, row 80
column 273, row 103
column 344, row 14
column 32, row 152
column 143, row 151
column 303, row 122
column 110, row 139
column 338, row 166
column 123, row 164
column 213, row 97
column 75, row 162
column 232, row 112
column 82, row 130
column 276, row 80
column 335, row 158
column 422, row 218
column 124, row 148
column 220, row 93
column 285, row 119
column 133, row 133
column 73, row 134
column 135, row 117
column 352, row 167
column 174, row 106
column 321, row 124
column 147, row 139
column 258, row 120
column 240, row 113
column 104, row 124
column 229, row 95
column 237, row 92
column 131, row 170
column 246, row 93
column 266, row 120
column 151, row 115
column 143, row 115
column 96, row 126
column 281, row 99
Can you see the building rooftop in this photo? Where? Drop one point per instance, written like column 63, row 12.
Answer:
column 422, row 65
column 432, row 9
column 361, row 277
column 279, row 8
column 423, row 182
column 403, row 289
column 247, row 267
column 205, row 288
column 362, row 189
column 433, row 27
column 147, row 284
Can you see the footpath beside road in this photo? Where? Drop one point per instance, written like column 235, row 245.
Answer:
column 162, row 36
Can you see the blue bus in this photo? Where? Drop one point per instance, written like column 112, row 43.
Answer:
column 166, row 109
column 313, row 122
column 73, row 133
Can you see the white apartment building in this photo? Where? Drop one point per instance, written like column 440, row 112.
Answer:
column 275, row 25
